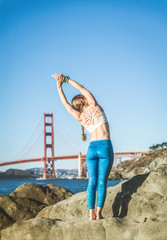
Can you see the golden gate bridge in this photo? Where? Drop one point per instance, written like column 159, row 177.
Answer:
column 48, row 161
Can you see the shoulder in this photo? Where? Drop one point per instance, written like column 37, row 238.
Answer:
column 73, row 112
column 97, row 106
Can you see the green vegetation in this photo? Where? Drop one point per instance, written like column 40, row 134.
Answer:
column 158, row 146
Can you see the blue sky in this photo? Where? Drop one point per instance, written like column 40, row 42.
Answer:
column 117, row 49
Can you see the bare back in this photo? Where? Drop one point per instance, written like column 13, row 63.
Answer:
column 91, row 116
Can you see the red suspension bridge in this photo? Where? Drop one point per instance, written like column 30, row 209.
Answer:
column 49, row 169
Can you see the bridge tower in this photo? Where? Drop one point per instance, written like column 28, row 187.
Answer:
column 48, row 135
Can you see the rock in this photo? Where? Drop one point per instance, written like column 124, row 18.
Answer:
column 143, row 164
column 27, row 200
column 151, row 197
column 153, row 230
column 20, row 208
column 106, row 229
column 134, row 209
column 160, row 160
column 115, row 176
column 5, row 219
column 49, row 229
column 47, row 195
column 117, row 201
column 68, row 209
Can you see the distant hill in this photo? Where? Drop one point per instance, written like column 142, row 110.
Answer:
column 36, row 172
column 139, row 165
column 16, row 173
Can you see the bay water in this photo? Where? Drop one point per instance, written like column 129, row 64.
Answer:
column 7, row 186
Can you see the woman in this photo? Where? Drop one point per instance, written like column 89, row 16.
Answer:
column 100, row 156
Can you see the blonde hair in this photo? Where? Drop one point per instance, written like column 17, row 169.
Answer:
column 83, row 134
column 78, row 104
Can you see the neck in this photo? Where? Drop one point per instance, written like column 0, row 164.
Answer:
column 84, row 107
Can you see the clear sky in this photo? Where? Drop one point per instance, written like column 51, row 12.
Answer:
column 117, row 49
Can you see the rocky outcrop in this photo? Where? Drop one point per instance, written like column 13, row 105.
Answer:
column 47, row 195
column 139, row 165
column 158, row 161
column 15, row 208
column 134, row 209
column 27, row 200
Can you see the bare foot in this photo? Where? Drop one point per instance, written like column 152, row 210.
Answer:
column 93, row 217
column 99, row 216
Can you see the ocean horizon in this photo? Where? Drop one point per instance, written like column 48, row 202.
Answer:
column 7, row 186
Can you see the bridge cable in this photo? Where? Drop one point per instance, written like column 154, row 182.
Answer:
column 16, row 156
column 32, row 146
column 81, row 147
column 66, row 141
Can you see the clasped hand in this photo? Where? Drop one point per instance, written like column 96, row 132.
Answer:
column 59, row 77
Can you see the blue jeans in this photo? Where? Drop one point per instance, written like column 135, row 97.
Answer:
column 99, row 160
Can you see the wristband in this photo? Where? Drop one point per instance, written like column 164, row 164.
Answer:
column 66, row 79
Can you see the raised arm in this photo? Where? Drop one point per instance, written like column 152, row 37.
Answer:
column 74, row 113
column 89, row 96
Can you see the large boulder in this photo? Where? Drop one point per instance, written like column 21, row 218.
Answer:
column 20, row 208
column 134, row 209
column 142, row 195
column 27, row 200
column 47, row 195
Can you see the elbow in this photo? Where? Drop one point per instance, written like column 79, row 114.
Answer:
column 64, row 102
column 66, row 105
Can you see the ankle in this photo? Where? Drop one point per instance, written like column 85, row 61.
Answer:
column 99, row 213
column 92, row 212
